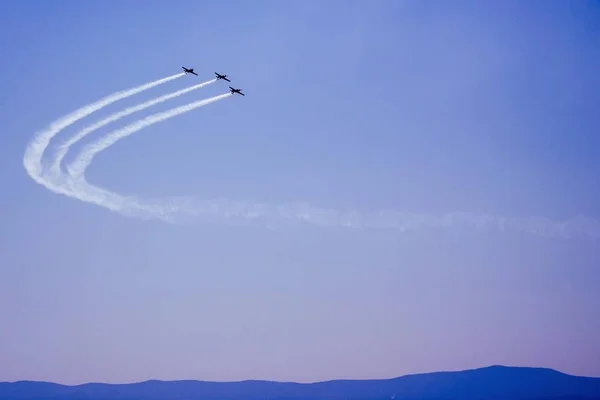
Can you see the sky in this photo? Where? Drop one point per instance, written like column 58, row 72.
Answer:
column 473, row 125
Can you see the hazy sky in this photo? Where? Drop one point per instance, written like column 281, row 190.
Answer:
column 422, row 108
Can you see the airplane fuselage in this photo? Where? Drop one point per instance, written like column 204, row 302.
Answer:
column 238, row 91
column 224, row 77
column 189, row 71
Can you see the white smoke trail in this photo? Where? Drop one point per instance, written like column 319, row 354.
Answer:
column 63, row 149
column 77, row 168
column 222, row 210
column 77, row 187
column 32, row 159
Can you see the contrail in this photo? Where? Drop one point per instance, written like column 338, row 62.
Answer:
column 226, row 211
column 77, row 168
column 32, row 159
column 64, row 147
column 79, row 188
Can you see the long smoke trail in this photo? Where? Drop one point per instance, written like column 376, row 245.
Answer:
column 77, row 187
column 223, row 210
column 77, row 168
column 32, row 159
column 64, row 147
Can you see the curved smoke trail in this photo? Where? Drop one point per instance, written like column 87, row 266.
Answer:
column 64, row 147
column 77, row 168
column 129, row 206
column 223, row 210
column 32, row 159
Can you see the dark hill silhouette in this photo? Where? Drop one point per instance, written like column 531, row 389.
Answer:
column 494, row 383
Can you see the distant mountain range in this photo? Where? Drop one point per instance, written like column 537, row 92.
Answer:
column 494, row 383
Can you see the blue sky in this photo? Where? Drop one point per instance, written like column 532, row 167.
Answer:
column 423, row 107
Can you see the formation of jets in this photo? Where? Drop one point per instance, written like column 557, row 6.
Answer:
column 219, row 76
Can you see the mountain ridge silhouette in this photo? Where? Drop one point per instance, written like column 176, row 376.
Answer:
column 495, row 382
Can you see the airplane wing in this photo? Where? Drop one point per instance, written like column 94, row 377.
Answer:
column 227, row 79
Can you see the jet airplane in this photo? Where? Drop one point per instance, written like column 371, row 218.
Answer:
column 224, row 77
column 189, row 71
column 238, row 91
